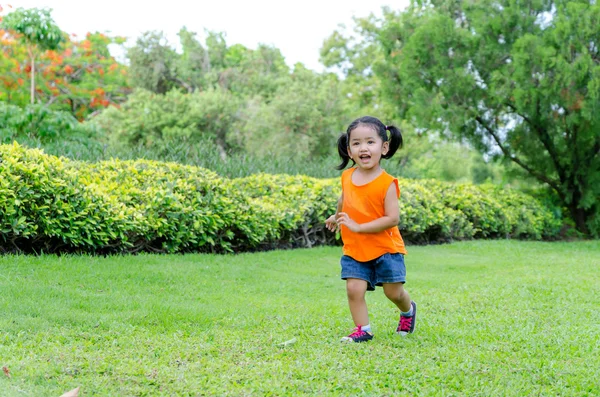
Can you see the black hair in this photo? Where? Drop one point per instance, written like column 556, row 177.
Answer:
column 394, row 138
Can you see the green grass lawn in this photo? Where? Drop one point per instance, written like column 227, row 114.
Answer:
column 502, row 318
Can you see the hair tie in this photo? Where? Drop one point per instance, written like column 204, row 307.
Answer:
column 387, row 127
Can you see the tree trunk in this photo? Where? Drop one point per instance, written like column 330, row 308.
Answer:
column 32, row 58
column 579, row 215
column 221, row 148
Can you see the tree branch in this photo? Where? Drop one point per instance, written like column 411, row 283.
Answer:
column 51, row 101
column 541, row 177
column 545, row 139
column 182, row 83
column 595, row 151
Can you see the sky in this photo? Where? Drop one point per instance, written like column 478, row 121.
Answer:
column 297, row 28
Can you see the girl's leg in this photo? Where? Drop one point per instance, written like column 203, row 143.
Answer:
column 397, row 294
column 356, row 289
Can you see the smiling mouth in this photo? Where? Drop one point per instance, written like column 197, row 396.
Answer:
column 364, row 159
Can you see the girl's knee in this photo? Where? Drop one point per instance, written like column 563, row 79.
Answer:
column 393, row 291
column 356, row 288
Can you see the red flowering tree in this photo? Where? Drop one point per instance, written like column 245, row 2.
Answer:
column 80, row 76
column 35, row 29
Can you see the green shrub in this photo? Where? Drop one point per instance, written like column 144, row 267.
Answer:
column 38, row 122
column 177, row 208
column 43, row 206
column 150, row 119
column 54, row 204
column 296, row 204
column 424, row 218
column 485, row 211
column 302, row 120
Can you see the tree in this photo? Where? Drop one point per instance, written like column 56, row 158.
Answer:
column 80, row 76
column 193, row 64
column 520, row 80
column 37, row 30
column 152, row 63
column 303, row 119
column 151, row 119
column 249, row 73
column 353, row 54
column 157, row 67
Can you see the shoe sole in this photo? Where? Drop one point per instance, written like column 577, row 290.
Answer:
column 346, row 339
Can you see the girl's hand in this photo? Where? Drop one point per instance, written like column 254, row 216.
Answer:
column 344, row 219
column 331, row 224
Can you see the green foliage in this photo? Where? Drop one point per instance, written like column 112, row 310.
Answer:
column 354, row 54
column 150, row 119
column 424, row 217
column 514, row 79
column 297, row 204
column 53, row 204
column 420, row 159
column 203, row 154
column 193, row 64
column 357, row 55
column 36, row 27
column 453, row 166
column 46, row 208
column 253, row 73
column 157, row 67
column 496, row 212
column 432, row 211
column 427, row 156
column 152, row 63
column 303, row 119
column 241, row 98
column 177, row 208
column 39, row 123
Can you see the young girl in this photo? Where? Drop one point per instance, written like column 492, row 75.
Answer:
column 368, row 215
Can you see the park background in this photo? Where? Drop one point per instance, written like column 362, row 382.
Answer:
column 206, row 146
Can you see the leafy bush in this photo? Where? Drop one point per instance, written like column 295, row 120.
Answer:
column 179, row 208
column 150, row 119
column 297, row 204
column 45, row 208
column 302, row 120
column 38, row 122
column 495, row 212
column 54, row 204
column 425, row 218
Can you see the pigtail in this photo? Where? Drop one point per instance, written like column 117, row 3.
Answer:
column 343, row 151
column 395, row 141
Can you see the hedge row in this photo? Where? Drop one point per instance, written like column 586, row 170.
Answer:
column 51, row 204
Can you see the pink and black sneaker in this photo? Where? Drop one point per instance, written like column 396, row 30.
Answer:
column 358, row 336
column 407, row 323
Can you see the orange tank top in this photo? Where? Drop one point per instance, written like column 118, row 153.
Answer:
column 363, row 204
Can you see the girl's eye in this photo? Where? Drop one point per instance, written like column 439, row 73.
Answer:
column 371, row 142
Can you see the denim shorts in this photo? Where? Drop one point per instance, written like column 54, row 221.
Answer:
column 388, row 268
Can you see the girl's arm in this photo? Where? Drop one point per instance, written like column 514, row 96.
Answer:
column 390, row 219
column 331, row 222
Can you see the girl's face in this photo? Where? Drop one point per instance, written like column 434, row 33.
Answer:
column 366, row 147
